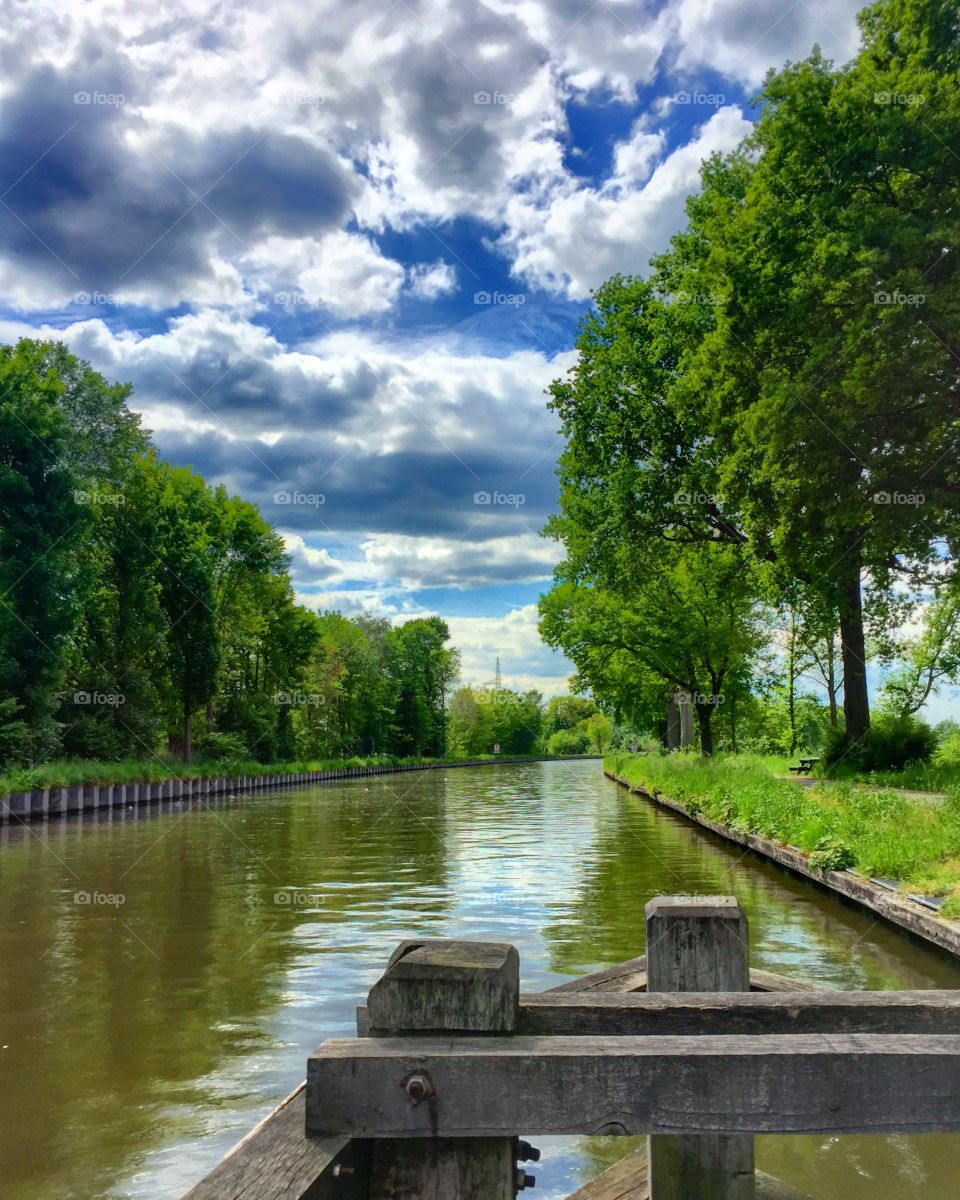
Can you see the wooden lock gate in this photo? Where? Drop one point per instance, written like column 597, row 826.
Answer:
column 453, row 1062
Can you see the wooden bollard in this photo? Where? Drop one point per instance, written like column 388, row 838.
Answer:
column 444, row 987
column 699, row 944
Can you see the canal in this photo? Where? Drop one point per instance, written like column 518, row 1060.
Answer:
column 163, row 975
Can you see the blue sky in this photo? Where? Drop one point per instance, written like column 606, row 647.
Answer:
column 340, row 250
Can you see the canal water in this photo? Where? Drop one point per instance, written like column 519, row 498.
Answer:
column 163, row 975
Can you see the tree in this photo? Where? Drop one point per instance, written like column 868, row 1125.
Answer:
column 421, row 670
column 187, row 596
column 928, row 660
column 695, row 621
column 62, row 427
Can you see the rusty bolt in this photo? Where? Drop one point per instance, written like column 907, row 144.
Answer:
column 342, row 1172
column 418, row 1087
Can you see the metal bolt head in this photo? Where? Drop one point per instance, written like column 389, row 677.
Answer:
column 342, row 1172
column 418, row 1087
column 524, row 1180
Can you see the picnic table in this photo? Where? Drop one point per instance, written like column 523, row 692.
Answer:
column 805, row 766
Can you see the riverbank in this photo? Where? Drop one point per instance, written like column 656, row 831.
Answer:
column 84, row 787
column 899, row 858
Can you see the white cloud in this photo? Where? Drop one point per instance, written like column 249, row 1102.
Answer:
column 576, row 237
column 427, row 281
column 524, row 660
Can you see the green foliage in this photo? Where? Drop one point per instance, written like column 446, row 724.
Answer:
column 891, row 745
column 221, row 748
column 139, row 605
column 838, row 825
column 569, row 741
column 831, row 855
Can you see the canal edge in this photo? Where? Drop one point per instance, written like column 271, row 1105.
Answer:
column 40, row 803
column 891, row 907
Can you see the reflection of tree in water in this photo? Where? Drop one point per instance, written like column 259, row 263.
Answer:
column 190, row 970
column 642, row 851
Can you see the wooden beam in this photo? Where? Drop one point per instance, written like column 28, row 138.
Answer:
column 493, row 1087
column 631, row 976
column 699, row 944
column 627, row 1180
column 699, row 1014
column 277, row 1161
column 447, row 987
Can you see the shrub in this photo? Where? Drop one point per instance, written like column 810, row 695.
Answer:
column 569, row 741
column 891, row 745
column 221, row 747
column 831, row 855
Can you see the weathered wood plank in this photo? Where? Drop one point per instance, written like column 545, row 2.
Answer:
column 698, row 1014
column 627, row 1180
column 277, row 1161
column 449, row 987
column 699, row 944
column 488, row 1087
column 631, row 976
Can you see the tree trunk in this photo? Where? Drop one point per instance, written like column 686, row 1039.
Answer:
column 832, row 683
column 856, row 701
column 704, row 715
column 187, row 741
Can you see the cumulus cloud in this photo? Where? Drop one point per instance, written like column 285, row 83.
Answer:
column 578, row 236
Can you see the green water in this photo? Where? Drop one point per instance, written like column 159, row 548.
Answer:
column 145, row 1031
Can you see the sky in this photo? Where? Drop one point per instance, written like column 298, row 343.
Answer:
column 339, row 250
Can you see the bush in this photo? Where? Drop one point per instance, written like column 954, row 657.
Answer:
column 569, row 741
column 947, row 753
column 221, row 747
column 891, row 745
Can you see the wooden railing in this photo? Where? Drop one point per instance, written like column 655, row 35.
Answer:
column 453, row 1062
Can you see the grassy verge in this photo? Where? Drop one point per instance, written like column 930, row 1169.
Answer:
column 924, row 777
column 73, row 773
column 874, row 832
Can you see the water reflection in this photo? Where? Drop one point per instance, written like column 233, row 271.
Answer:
column 146, row 1029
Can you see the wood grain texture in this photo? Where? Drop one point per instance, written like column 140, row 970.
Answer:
column 627, row 1180
column 699, row 1014
column 699, row 944
column 277, row 1161
column 488, row 1087
column 452, row 987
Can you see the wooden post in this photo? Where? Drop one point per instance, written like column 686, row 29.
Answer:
column 445, row 987
column 699, row 944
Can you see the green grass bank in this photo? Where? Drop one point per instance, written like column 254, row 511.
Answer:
column 875, row 833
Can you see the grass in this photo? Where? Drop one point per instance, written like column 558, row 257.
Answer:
column 922, row 777
column 71, row 773
column 874, row 832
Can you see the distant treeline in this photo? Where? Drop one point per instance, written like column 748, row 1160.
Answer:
column 144, row 613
